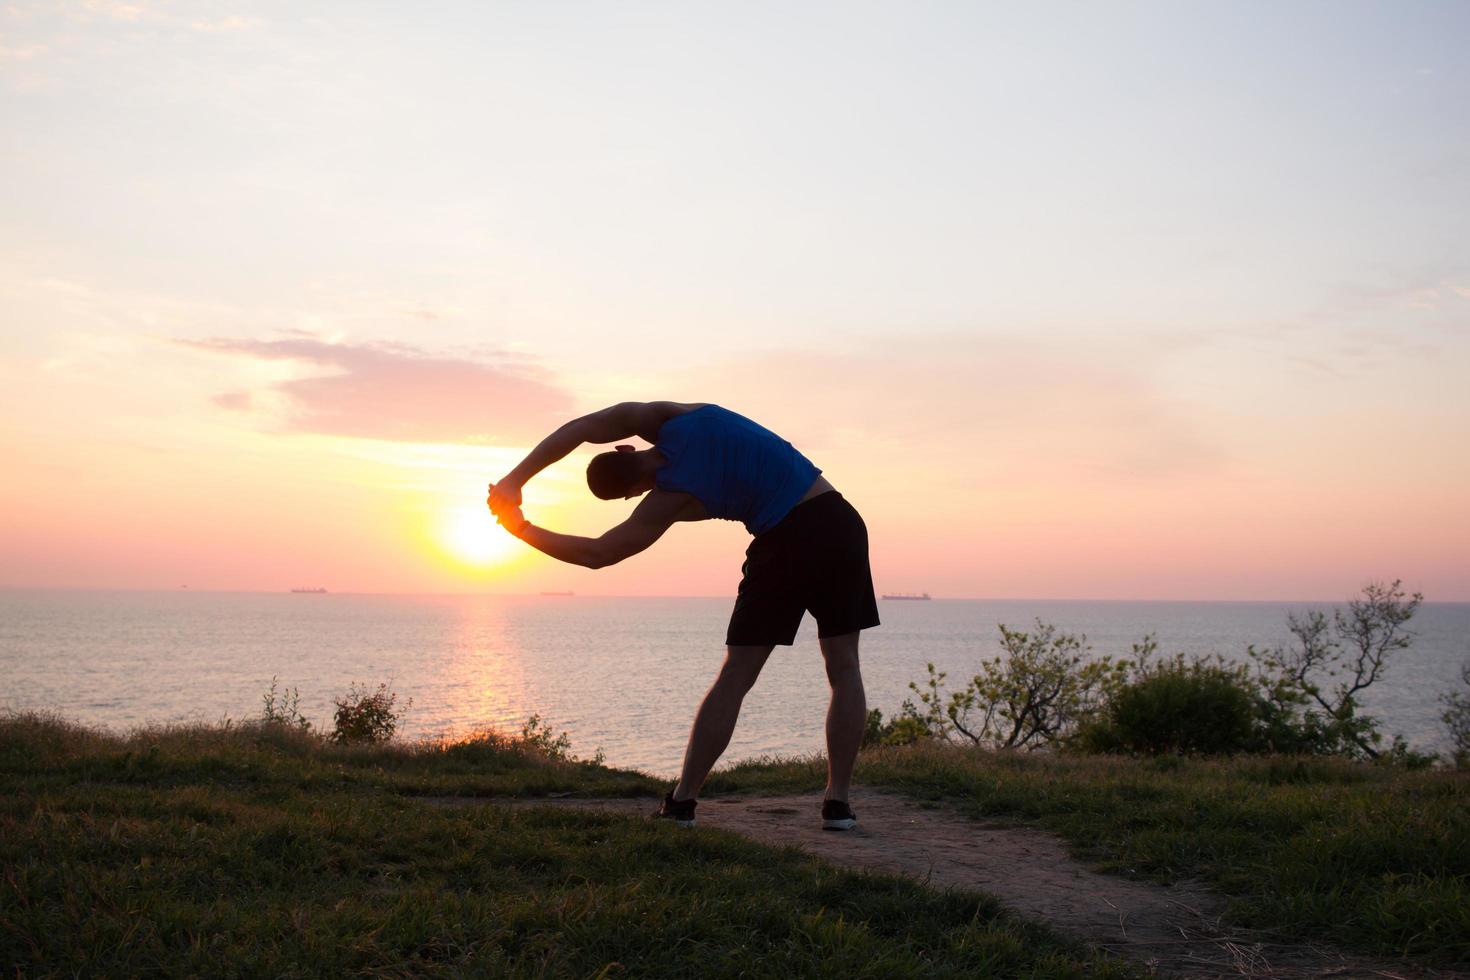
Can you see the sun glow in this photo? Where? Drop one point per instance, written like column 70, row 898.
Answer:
column 471, row 535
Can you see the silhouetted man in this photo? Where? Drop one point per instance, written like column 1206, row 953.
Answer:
column 810, row 552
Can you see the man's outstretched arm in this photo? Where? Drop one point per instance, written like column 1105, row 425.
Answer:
column 621, row 421
column 654, row 515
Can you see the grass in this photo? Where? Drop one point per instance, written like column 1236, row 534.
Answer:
column 262, row 851
column 47, row 751
column 1372, row 858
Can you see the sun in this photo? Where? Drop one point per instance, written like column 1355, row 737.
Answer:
column 471, row 535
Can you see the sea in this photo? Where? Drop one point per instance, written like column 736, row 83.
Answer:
column 620, row 675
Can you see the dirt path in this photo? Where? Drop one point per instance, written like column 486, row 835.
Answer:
column 1174, row 930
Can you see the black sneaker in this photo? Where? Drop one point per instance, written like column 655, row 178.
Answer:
column 837, row 815
column 679, row 811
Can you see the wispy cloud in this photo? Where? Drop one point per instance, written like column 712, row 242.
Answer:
column 23, row 53
column 235, row 401
column 396, row 392
column 1422, row 288
column 225, row 25
column 38, row 40
column 973, row 401
column 116, row 10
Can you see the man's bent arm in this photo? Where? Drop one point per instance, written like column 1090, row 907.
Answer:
column 653, row 516
column 616, row 422
column 569, row 548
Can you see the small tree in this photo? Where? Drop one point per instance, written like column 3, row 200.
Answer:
column 1302, row 709
column 1457, row 718
column 1037, row 693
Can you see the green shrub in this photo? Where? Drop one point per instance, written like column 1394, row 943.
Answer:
column 365, row 717
column 1301, row 699
column 1192, row 707
column 539, row 737
column 903, row 730
column 1456, row 718
column 283, row 707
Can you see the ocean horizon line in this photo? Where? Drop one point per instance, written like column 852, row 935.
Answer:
column 548, row 594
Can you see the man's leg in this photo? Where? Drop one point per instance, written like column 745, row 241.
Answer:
column 714, row 723
column 847, row 716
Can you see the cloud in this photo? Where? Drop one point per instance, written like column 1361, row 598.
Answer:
column 395, row 392
column 115, row 10
column 235, row 401
column 422, row 314
column 225, row 25
column 1422, row 287
column 971, row 403
column 24, row 53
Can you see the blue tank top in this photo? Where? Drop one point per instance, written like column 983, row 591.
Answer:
column 737, row 469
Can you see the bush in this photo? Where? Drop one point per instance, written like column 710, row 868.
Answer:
column 283, row 707
column 1188, row 707
column 365, row 717
column 1456, row 718
column 903, row 730
column 542, row 739
column 1301, row 699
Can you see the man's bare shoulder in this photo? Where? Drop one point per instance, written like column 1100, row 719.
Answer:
column 649, row 417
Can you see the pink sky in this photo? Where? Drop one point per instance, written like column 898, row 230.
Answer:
column 1006, row 468
column 1098, row 312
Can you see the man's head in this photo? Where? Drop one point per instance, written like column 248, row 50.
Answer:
column 624, row 472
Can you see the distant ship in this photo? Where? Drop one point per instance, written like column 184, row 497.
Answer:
column 907, row 595
column 568, row 592
column 310, row 591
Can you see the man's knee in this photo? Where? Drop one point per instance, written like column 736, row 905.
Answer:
column 742, row 666
column 841, row 656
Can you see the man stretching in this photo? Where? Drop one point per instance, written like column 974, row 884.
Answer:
column 810, row 552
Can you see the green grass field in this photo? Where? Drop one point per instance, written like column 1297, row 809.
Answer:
column 261, row 851
column 1372, row 858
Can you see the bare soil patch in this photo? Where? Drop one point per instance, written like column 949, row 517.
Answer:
column 1174, row 930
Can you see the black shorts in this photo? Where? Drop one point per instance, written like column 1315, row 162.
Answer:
column 815, row 559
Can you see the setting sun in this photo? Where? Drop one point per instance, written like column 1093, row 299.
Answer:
column 471, row 535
